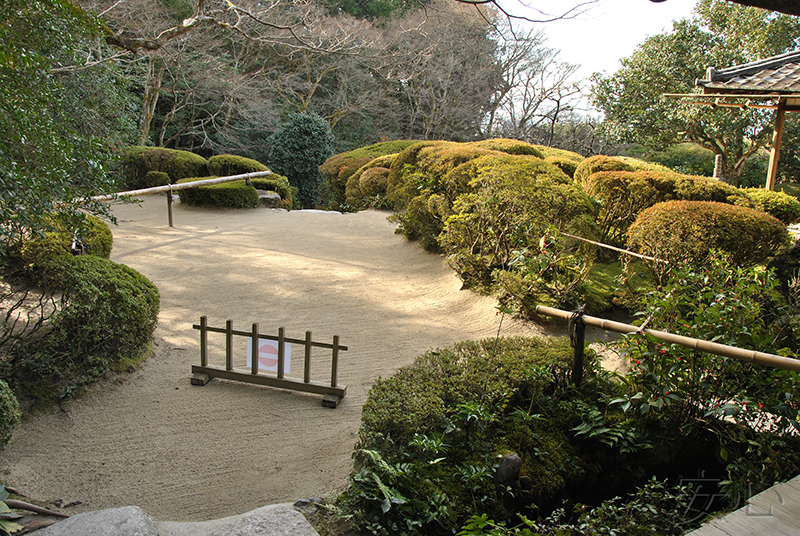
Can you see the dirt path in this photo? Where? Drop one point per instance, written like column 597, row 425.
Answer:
column 187, row 453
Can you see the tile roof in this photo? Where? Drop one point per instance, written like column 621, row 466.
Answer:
column 778, row 74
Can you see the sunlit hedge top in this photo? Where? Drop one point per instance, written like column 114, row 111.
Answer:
column 685, row 231
column 136, row 162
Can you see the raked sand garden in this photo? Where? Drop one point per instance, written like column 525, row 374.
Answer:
column 188, row 453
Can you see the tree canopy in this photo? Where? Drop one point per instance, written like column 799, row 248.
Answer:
column 719, row 34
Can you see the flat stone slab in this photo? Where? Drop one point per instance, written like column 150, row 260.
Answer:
column 273, row 520
column 123, row 521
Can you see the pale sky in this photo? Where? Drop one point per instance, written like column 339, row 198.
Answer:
column 607, row 31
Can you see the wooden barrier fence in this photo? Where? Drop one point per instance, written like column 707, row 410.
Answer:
column 203, row 373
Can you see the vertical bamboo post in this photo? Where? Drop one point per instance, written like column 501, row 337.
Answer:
column 307, row 363
column 280, row 353
column 577, row 338
column 229, row 345
column 254, row 352
column 335, row 361
column 169, row 205
column 203, row 341
column 777, row 134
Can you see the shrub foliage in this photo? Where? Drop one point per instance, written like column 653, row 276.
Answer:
column 234, row 194
column 136, row 162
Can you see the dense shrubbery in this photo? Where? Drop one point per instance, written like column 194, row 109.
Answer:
column 278, row 184
column 224, row 165
column 623, row 195
column 105, row 316
column 297, row 151
column 338, row 169
column 234, row 194
column 685, row 231
column 65, row 232
column 434, row 436
column 597, row 163
column 156, row 178
column 778, row 204
column 136, row 162
column 9, row 413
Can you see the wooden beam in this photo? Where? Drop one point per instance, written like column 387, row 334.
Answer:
column 774, row 154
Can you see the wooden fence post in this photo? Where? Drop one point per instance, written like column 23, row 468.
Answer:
column 335, row 361
column 280, row 353
column 203, row 341
column 229, row 345
column 307, row 363
column 254, row 353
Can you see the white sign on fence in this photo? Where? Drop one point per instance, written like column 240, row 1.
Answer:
column 268, row 355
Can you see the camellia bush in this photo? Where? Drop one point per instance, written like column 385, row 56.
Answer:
column 685, row 231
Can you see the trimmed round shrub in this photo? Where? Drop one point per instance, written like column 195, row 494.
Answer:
column 355, row 198
column 297, row 151
column 403, row 165
column 107, row 315
column 547, row 152
column 623, row 195
column 9, row 413
column 373, row 181
column 137, row 161
column 42, row 250
column 338, row 169
column 643, row 165
column 685, row 232
column 599, row 163
column 234, row 194
column 156, row 178
column 778, row 204
column 224, row 165
column 505, row 145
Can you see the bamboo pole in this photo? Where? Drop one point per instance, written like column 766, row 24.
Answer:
column 748, row 356
column 254, row 352
column 307, row 361
column 229, row 345
column 181, row 186
column 281, row 353
column 335, row 361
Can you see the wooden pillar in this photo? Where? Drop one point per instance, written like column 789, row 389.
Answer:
column 307, row 360
column 203, row 341
column 335, row 361
column 229, row 344
column 254, row 350
column 772, row 171
column 281, row 353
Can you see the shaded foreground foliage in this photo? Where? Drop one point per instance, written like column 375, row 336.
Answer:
column 606, row 456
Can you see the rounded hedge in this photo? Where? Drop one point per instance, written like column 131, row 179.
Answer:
column 156, row 178
column 623, row 195
column 567, row 165
column 355, row 197
column 278, row 184
column 136, row 162
column 224, row 165
column 234, row 194
column 599, row 163
column 778, row 204
column 9, row 413
column 685, row 231
column 41, row 251
column 509, row 146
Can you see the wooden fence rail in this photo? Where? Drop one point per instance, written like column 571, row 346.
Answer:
column 203, row 373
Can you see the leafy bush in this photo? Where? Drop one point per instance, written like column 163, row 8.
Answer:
column 136, row 162
column 403, row 165
column 623, row 195
column 234, row 194
column 597, row 163
column 751, row 410
column 297, row 151
column 376, row 184
column 778, row 204
column 338, row 169
column 684, row 232
column 156, row 178
column 9, row 413
column 65, row 231
column 500, row 227
column 224, row 165
column 105, row 320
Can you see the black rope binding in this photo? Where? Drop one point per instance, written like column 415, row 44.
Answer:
column 575, row 320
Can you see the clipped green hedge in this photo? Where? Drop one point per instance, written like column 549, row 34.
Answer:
column 685, row 232
column 40, row 251
column 509, row 146
column 156, row 178
column 340, row 167
column 106, row 319
column 548, row 152
column 224, row 165
column 623, row 195
column 375, row 185
column 234, row 194
column 567, row 165
column 278, row 184
column 9, row 413
column 597, row 163
column 778, row 204
column 136, row 162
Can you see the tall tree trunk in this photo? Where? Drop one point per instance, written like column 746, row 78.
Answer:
column 152, row 89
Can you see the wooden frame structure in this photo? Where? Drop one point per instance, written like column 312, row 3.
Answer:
column 770, row 84
column 203, row 373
